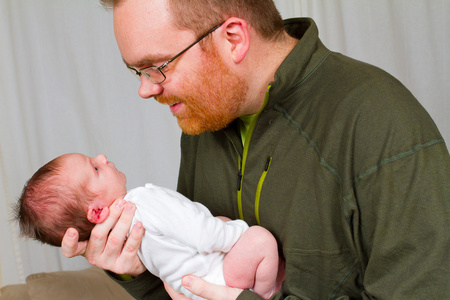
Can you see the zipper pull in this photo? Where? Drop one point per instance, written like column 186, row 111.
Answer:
column 266, row 167
column 239, row 180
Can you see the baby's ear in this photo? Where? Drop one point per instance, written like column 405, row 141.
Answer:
column 97, row 214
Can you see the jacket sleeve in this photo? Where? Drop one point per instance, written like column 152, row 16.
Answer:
column 403, row 225
column 146, row 286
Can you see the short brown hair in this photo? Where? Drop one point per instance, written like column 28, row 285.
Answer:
column 201, row 15
column 47, row 208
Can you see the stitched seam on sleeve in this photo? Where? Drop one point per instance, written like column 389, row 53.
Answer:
column 394, row 158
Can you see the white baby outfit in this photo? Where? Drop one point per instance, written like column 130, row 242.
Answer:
column 181, row 236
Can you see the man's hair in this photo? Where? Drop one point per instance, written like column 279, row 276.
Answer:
column 47, row 206
column 201, row 15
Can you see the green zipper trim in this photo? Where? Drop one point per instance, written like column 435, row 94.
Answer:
column 245, row 153
column 258, row 190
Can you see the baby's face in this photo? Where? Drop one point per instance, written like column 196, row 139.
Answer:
column 98, row 174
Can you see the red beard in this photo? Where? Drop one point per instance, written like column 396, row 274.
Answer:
column 211, row 99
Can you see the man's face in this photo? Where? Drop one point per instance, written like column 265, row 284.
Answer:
column 210, row 98
column 202, row 91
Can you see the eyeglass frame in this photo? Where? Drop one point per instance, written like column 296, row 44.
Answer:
column 139, row 72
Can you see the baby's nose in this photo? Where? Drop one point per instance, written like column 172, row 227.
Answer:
column 102, row 158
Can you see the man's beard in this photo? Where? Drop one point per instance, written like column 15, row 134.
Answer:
column 212, row 98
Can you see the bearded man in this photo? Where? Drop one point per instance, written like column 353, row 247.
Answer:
column 333, row 156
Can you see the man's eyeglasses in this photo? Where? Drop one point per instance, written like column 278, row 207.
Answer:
column 155, row 74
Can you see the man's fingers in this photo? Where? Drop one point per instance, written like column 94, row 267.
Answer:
column 129, row 257
column 134, row 240
column 174, row 295
column 70, row 246
column 119, row 233
column 208, row 290
column 106, row 247
column 99, row 234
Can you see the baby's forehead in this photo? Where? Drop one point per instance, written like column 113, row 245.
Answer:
column 73, row 164
column 73, row 158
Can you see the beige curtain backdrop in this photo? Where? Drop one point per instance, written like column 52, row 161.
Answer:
column 64, row 88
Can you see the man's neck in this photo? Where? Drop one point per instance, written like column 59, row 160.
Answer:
column 267, row 58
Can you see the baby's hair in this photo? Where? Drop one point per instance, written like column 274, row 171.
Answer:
column 48, row 206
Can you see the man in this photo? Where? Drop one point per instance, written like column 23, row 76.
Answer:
column 335, row 157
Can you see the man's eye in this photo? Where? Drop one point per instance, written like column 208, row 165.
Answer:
column 135, row 73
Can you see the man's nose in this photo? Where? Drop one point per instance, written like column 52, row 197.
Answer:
column 149, row 89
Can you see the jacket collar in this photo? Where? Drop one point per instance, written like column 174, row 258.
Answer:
column 301, row 62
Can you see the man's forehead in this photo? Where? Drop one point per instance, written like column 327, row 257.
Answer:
column 146, row 34
column 151, row 14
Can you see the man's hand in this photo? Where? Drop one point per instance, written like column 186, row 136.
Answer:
column 203, row 289
column 107, row 248
column 173, row 294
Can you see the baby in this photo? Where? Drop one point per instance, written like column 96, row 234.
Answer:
column 181, row 236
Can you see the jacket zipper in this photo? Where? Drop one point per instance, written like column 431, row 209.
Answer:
column 241, row 171
column 239, row 188
column 260, row 184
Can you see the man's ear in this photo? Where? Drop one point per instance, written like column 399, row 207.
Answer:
column 237, row 34
column 97, row 214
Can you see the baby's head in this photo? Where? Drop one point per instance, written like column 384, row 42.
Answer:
column 73, row 190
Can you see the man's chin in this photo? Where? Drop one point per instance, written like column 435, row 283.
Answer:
column 190, row 127
column 191, row 130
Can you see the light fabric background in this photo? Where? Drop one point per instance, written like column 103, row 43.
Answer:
column 64, row 88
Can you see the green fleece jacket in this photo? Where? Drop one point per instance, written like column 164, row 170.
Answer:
column 345, row 168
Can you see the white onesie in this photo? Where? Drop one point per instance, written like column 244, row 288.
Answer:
column 181, row 237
